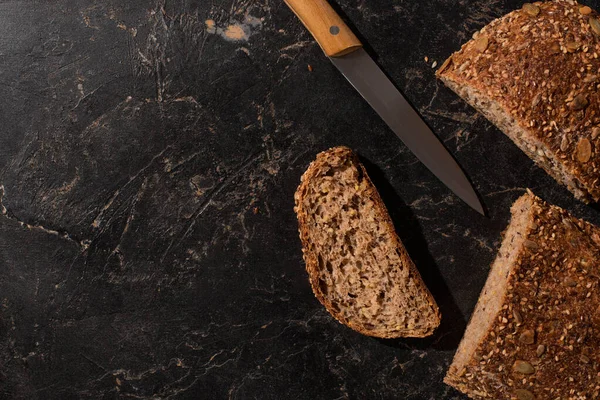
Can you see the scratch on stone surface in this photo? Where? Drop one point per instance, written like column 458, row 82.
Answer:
column 412, row 74
column 127, row 375
column 88, row 22
column 98, row 220
column 480, row 242
column 295, row 49
column 438, row 230
column 169, row 30
column 210, row 197
column 136, row 199
column 131, row 216
column 170, row 391
column 480, row 16
column 317, row 314
column 185, row 99
column 68, row 186
column 106, row 206
column 247, row 235
column 267, row 209
column 93, row 362
column 296, row 46
column 434, row 96
column 399, row 9
column 84, row 244
column 86, row 12
column 399, row 159
column 366, row 12
column 269, row 291
column 145, row 61
column 15, row 87
column 69, row 65
column 426, row 202
column 235, row 387
column 508, row 190
column 83, row 97
column 156, row 47
column 342, row 397
column 454, row 116
column 462, row 138
column 183, row 389
column 1, row 197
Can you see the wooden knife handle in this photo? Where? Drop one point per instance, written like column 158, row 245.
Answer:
column 332, row 34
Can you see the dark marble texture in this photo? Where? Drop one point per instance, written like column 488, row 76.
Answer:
column 148, row 159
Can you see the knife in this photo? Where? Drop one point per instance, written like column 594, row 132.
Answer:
column 346, row 52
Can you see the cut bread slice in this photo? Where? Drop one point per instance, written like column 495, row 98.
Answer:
column 534, row 74
column 357, row 265
column 533, row 334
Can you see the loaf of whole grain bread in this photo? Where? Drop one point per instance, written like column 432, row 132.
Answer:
column 357, row 265
column 535, row 73
column 534, row 332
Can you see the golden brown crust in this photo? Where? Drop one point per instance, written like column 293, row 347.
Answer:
column 541, row 63
column 545, row 341
column 310, row 256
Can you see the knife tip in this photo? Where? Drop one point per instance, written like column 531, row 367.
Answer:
column 480, row 210
column 472, row 199
column 477, row 206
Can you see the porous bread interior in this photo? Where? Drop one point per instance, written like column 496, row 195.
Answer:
column 527, row 142
column 493, row 294
column 361, row 270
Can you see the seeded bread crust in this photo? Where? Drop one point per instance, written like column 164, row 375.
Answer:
column 535, row 73
column 534, row 332
column 324, row 162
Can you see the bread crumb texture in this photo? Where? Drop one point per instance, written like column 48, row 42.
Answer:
column 358, row 268
column 535, row 73
column 534, row 333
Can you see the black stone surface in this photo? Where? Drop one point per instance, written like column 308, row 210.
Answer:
column 148, row 159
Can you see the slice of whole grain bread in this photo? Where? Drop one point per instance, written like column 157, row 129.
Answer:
column 357, row 265
column 534, row 332
column 535, row 73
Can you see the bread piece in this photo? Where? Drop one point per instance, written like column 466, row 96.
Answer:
column 357, row 265
column 534, row 332
column 534, row 73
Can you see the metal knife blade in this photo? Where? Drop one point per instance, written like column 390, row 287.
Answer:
column 383, row 96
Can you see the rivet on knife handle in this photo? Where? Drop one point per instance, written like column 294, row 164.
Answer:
column 328, row 29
